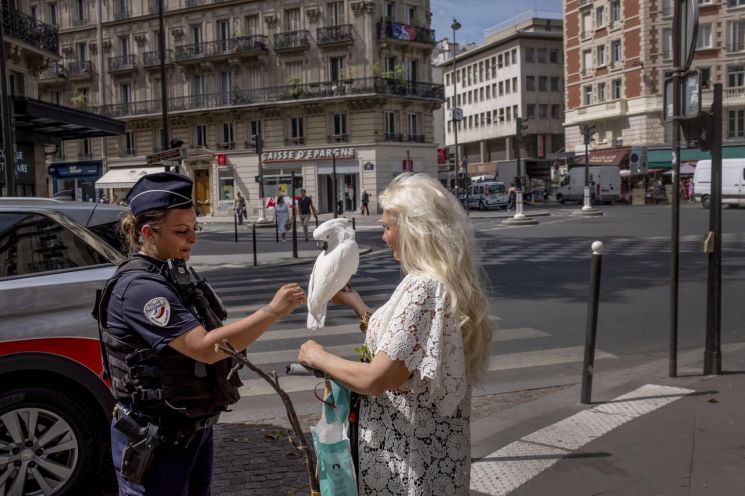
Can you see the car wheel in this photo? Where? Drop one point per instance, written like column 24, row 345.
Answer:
column 560, row 198
column 48, row 443
column 705, row 202
column 482, row 206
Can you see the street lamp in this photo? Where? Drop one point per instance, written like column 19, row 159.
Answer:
column 587, row 132
column 457, row 115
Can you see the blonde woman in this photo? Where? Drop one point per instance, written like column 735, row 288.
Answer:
column 430, row 342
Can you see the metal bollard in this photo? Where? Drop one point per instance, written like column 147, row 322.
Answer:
column 354, row 225
column 276, row 228
column 316, row 221
column 591, row 330
column 253, row 235
column 235, row 226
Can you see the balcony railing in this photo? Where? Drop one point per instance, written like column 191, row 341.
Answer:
column 76, row 69
column 734, row 47
column 405, row 32
column 27, row 29
column 393, row 137
column 291, row 40
column 54, row 71
column 332, row 35
column 277, row 94
column 221, row 48
column 339, row 138
column 121, row 14
column 122, row 63
column 194, row 3
column 300, row 140
column 228, row 145
column 79, row 22
column 150, row 59
column 416, row 138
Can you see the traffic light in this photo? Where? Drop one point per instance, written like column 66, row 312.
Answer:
column 588, row 131
column 258, row 179
column 298, row 182
column 257, row 143
column 520, row 128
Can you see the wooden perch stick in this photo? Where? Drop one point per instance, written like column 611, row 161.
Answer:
column 296, row 434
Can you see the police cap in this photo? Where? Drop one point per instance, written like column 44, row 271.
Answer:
column 160, row 191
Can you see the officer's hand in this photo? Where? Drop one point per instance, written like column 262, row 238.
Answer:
column 288, row 298
column 311, row 354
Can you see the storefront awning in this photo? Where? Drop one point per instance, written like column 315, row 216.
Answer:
column 124, row 178
column 664, row 158
column 610, row 156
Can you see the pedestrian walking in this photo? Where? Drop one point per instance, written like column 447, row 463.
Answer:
column 282, row 217
column 365, row 201
column 305, row 204
column 690, row 190
column 430, row 342
column 158, row 335
column 240, row 207
column 511, row 197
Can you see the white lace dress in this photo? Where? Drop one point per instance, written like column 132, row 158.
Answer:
column 416, row 440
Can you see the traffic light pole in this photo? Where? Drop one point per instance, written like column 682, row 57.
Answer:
column 294, row 217
column 519, row 218
column 260, row 151
column 587, row 208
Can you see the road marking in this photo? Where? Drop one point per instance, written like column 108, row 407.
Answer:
column 542, row 358
column 512, row 466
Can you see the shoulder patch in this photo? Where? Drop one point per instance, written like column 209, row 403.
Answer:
column 158, row 311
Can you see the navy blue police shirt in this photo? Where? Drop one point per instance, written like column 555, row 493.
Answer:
column 146, row 304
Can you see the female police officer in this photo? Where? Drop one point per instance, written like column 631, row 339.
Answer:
column 169, row 379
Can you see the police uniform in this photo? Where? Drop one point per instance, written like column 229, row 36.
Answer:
column 161, row 434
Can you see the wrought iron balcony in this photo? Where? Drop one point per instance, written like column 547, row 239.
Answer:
column 335, row 35
column 241, row 46
column 229, row 145
column 280, row 94
column 291, row 40
column 54, row 72
column 80, row 69
column 120, row 14
column 152, row 59
column 194, row 3
column 393, row 137
column 122, row 63
column 735, row 47
column 300, row 140
column 79, row 22
column 404, row 32
column 416, row 138
column 27, row 29
column 339, row 138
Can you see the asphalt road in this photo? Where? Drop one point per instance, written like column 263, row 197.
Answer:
column 538, row 278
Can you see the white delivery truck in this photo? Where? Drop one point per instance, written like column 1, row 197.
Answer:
column 605, row 184
column 733, row 182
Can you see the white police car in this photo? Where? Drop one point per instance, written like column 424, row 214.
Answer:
column 487, row 195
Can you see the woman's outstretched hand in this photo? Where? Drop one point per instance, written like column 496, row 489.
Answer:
column 310, row 354
column 288, row 298
column 350, row 298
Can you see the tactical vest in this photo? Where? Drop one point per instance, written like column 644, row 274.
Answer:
column 158, row 383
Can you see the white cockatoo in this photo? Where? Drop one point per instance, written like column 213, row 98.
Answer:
column 334, row 267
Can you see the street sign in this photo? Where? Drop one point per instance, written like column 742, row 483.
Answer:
column 688, row 32
column 690, row 90
column 172, row 154
column 456, row 114
column 257, row 179
column 170, row 163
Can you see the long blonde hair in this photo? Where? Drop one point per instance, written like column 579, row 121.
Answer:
column 435, row 237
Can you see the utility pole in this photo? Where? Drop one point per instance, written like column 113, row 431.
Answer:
column 587, row 209
column 258, row 143
column 165, row 145
column 519, row 218
column 6, row 108
column 457, row 115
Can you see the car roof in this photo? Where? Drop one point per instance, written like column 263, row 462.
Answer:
column 85, row 213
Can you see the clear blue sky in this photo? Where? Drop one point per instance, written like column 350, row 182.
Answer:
column 477, row 15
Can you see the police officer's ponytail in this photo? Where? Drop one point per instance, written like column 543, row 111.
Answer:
column 131, row 226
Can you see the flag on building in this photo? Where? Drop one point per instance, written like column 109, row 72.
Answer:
column 403, row 32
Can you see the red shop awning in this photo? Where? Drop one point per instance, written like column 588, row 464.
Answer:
column 610, row 156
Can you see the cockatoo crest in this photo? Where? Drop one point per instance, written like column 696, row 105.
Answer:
column 334, row 267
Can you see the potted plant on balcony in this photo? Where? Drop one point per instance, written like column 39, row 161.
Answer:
column 79, row 101
column 393, row 78
column 296, row 91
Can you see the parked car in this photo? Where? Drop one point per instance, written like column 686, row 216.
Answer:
column 487, row 195
column 55, row 408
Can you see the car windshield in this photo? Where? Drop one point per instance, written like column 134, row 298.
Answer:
column 102, row 247
column 495, row 188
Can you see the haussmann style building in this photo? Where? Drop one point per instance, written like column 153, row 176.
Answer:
column 344, row 84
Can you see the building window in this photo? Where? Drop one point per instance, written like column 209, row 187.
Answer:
column 667, row 44
column 297, row 131
column 704, row 36
column 228, row 136
column 586, row 25
column 599, row 17
column 529, row 55
column 555, row 111
column 587, row 95
column 413, row 70
column 615, row 12
column 601, row 55
column 125, row 93
column 508, row 112
column 586, row 62
column 200, row 136
column 617, row 88
column 736, row 124
column 339, row 128
column 415, row 133
column 254, row 128
column 85, row 149
column 196, row 36
column 555, row 83
column 128, row 143
column 500, row 63
column 735, row 3
column 542, row 83
column 615, row 52
column 82, row 51
column 411, row 15
column 513, row 52
column 53, row 14
column 530, row 83
column 530, row 110
column 541, row 53
column 389, row 9
column 390, row 125
column 554, row 56
column 336, row 68
column 500, row 85
column 542, row 111
column 601, row 92
column 735, row 75
column 292, row 19
column 252, row 25
column 79, row 8
column 705, row 76
column 335, row 13
column 737, row 36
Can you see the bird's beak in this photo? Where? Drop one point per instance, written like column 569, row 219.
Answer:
column 322, row 245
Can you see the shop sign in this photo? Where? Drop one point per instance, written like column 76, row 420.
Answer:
column 368, row 166
column 308, row 154
column 75, row 169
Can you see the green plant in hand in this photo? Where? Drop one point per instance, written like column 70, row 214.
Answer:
column 363, row 353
